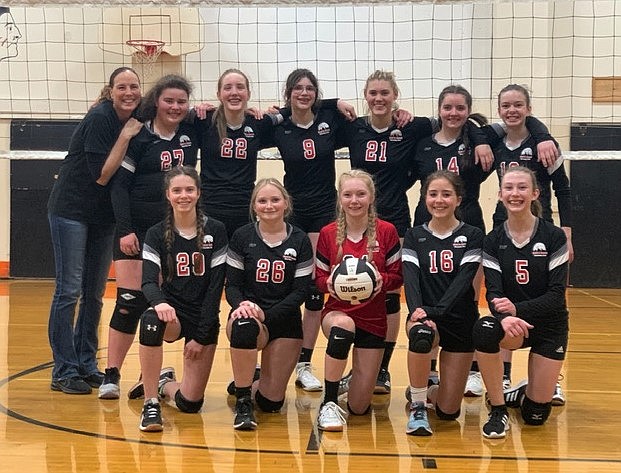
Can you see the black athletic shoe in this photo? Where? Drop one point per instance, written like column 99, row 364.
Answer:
column 497, row 424
column 151, row 418
column 230, row 389
column 244, row 415
column 95, row 379
column 513, row 396
column 382, row 385
column 110, row 387
column 75, row 385
column 137, row 390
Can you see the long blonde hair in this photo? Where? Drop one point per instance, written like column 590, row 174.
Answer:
column 341, row 221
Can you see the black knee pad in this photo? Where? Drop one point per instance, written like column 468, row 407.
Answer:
column 314, row 299
column 487, row 334
column 184, row 405
column 151, row 329
column 339, row 343
column 444, row 416
column 265, row 404
column 535, row 413
column 393, row 303
column 244, row 333
column 130, row 304
column 366, row 411
column 421, row 338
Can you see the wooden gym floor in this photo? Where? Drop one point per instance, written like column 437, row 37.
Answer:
column 45, row 431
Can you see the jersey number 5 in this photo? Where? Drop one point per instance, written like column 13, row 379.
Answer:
column 521, row 271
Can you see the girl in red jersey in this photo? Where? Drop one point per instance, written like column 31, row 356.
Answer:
column 356, row 232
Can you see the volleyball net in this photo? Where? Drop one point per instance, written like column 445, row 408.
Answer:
column 56, row 56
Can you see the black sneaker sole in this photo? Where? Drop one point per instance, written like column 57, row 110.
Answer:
column 57, row 387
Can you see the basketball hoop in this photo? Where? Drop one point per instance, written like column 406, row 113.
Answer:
column 146, row 52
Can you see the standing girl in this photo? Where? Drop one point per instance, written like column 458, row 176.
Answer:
column 231, row 140
column 440, row 260
column 525, row 262
column 82, row 227
column 165, row 141
column 269, row 270
column 386, row 151
column 183, row 274
column 307, row 141
column 357, row 232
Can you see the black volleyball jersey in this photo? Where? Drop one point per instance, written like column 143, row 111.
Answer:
column 138, row 196
column 456, row 157
column 308, row 157
column 526, row 155
column 229, row 168
column 276, row 277
column 196, row 278
column 532, row 275
column 438, row 270
column 387, row 155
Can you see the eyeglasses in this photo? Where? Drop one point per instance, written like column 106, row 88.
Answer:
column 299, row 88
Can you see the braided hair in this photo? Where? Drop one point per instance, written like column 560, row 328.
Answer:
column 169, row 219
column 341, row 221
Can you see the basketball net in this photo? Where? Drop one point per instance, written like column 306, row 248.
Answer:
column 146, row 53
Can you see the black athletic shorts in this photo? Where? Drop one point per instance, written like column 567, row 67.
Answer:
column 364, row 339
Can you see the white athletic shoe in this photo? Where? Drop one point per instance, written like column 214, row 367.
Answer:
column 558, row 399
column 474, row 385
column 331, row 418
column 306, row 379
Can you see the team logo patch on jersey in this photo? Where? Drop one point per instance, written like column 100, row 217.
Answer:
column 461, row 150
column 248, row 132
column 185, row 141
column 290, row 255
column 396, row 135
column 427, row 148
column 374, row 247
column 323, row 129
column 207, row 242
column 539, row 249
column 526, row 154
column 460, row 242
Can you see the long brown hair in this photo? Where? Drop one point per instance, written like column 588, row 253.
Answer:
column 535, row 206
column 219, row 120
column 169, row 219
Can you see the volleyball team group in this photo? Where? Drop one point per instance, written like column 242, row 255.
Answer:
column 129, row 191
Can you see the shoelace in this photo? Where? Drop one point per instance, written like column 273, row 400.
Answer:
column 332, row 410
column 419, row 413
column 151, row 412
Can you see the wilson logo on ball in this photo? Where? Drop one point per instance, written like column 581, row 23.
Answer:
column 354, row 280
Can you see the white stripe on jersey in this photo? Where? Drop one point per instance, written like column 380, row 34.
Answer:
column 218, row 258
column 491, row 263
column 471, row 256
column 149, row 254
column 320, row 264
column 304, row 269
column 409, row 256
column 394, row 258
column 558, row 258
column 129, row 164
column 234, row 260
